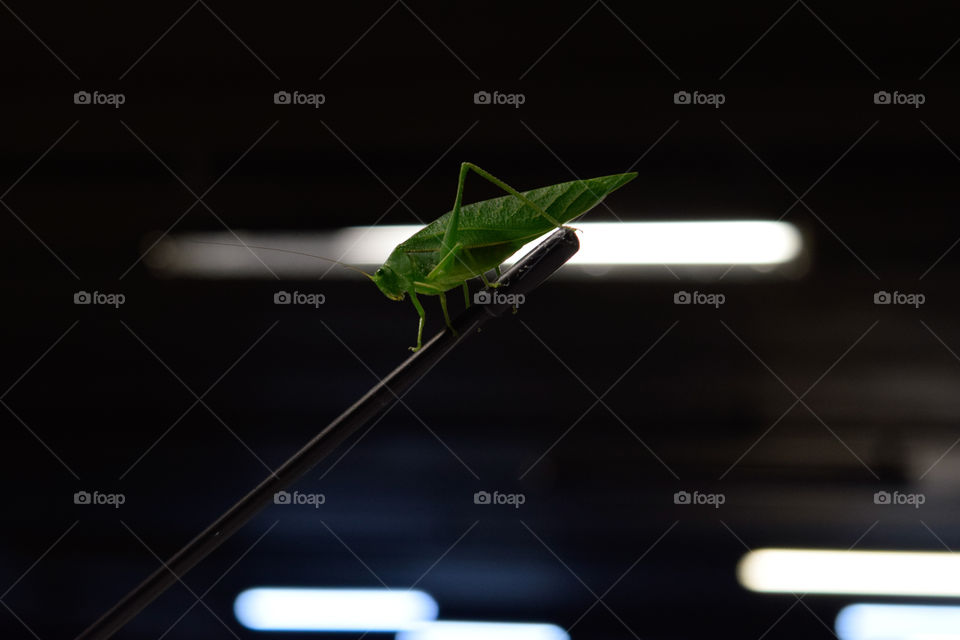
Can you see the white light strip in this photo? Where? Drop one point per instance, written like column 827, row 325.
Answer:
column 296, row 609
column 462, row 630
column 898, row 622
column 627, row 243
column 895, row 573
column 735, row 242
column 753, row 242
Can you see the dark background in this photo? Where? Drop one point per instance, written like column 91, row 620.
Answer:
column 90, row 393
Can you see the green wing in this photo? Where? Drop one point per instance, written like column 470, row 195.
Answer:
column 509, row 222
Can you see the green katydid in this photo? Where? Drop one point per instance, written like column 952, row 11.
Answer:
column 472, row 239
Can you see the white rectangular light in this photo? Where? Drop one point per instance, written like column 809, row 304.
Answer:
column 302, row 609
column 751, row 242
column 760, row 243
column 463, row 630
column 898, row 622
column 894, row 573
column 757, row 242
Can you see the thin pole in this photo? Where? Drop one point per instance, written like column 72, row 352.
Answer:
column 522, row 278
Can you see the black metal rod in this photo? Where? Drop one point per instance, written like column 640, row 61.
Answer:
column 522, row 278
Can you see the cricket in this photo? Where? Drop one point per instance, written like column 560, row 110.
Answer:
column 471, row 240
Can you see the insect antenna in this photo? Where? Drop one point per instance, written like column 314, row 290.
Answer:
column 291, row 251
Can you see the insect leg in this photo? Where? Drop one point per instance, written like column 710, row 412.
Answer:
column 446, row 261
column 503, row 185
column 423, row 318
column 446, row 314
column 487, row 283
column 466, row 295
column 450, row 234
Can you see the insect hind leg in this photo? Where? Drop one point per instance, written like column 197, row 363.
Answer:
column 486, row 175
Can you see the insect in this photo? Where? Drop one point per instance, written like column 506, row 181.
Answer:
column 473, row 239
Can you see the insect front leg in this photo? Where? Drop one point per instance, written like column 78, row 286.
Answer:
column 466, row 295
column 423, row 319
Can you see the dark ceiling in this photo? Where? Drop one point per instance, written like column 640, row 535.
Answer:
column 796, row 400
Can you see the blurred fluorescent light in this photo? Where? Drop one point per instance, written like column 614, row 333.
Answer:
column 894, row 573
column 462, row 630
column 898, row 622
column 627, row 243
column 759, row 243
column 753, row 242
column 297, row 609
